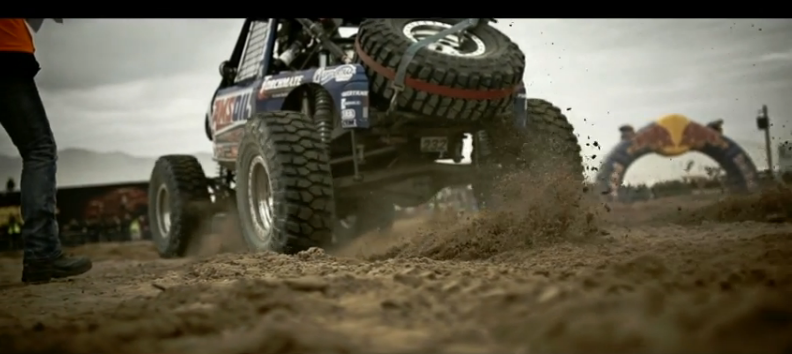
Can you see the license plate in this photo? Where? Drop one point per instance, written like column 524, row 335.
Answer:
column 434, row 144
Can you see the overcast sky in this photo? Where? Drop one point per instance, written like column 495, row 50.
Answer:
column 142, row 86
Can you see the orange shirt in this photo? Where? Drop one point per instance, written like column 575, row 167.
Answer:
column 15, row 36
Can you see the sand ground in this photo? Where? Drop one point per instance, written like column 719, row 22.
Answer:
column 526, row 280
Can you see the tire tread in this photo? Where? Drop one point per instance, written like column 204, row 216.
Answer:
column 300, row 175
column 186, row 183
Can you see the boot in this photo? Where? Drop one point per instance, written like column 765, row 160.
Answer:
column 37, row 272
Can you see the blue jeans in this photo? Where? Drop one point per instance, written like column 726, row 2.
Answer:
column 24, row 119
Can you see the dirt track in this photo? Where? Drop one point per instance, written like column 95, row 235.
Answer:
column 603, row 284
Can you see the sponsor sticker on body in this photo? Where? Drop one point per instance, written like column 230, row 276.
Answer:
column 341, row 73
column 346, row 103
column 348, row 114
column 352, row 93
column 270, row 85
column 232, row 108
column 354, row 107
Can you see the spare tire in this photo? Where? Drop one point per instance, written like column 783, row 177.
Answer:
column 471, row 77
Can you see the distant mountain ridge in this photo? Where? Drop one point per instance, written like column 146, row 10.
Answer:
column 85, row 167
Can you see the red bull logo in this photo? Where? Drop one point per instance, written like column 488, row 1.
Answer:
column 653, row 137
column 675, row 124
column 697, row 136
column 674, row 135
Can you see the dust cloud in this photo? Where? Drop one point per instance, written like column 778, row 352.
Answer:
column 535, row 210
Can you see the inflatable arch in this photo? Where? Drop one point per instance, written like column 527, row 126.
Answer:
column 674, row 135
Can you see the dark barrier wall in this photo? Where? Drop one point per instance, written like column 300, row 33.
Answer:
column 98, row 213
column 674, row 135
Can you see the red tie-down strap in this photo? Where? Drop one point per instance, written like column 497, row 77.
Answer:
column 428, row 87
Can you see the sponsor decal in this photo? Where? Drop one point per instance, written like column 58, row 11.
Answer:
column 341, row 73
column 232, row 108
column 354, row 93
column 348, row 114
column 349, row 103
column 269, row 84
column 348, row 123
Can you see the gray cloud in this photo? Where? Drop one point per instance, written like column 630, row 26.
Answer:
column 86, row 53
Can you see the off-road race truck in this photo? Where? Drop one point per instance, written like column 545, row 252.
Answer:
column 318, row 133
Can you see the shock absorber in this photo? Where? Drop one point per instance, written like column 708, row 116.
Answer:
column 323, row 114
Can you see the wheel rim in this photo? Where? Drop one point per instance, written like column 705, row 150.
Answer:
column 260, row 198
column 163, row 211
column 463, row 44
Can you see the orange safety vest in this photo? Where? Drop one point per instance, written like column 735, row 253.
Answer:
column 15, row 36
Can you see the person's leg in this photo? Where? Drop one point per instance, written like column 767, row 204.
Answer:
column 24, row 119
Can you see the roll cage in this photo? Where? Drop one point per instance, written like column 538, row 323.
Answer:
column 262, row 39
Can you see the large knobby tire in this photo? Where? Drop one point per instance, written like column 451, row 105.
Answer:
column 497, row 69
column 552, row 142
column 287, row 148
column 547, row 144
column 178, row 188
